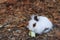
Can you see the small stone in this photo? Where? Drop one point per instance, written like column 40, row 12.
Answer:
column 0, row 26
column 19, row 31
column 9, row 29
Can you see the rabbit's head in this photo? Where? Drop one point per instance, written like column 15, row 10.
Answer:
column 39, row 24
column 32, row 22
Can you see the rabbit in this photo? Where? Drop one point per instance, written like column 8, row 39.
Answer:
column 39, row 24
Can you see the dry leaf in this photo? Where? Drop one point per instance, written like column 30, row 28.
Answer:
column 2, row 1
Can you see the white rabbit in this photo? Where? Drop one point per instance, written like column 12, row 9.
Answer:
column 40, row 24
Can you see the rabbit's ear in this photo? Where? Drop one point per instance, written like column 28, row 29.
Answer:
column 35, row 18
column 32, row 17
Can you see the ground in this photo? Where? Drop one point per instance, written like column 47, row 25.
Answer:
column 15, row 14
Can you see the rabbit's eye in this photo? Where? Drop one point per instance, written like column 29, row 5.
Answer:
column 34, row 24
column 36, row 18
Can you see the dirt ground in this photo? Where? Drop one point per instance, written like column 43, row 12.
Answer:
column 15, row 14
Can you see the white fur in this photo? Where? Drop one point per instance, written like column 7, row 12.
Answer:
column 43, row 23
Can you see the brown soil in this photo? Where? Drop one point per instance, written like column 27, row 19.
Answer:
column 15, row 14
